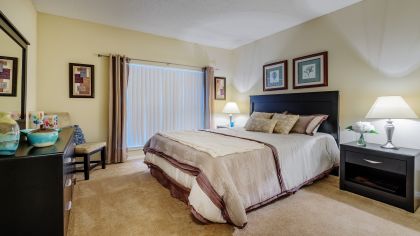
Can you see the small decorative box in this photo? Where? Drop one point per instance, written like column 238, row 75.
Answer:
column 36, row 119
column 51, row 121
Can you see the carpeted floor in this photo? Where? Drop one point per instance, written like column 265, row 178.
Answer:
column 125, row 200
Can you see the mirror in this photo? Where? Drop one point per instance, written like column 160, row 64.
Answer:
column 13, row 51
column 10, row 74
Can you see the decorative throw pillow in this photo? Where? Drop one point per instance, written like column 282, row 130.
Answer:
column 302, row 124
column 284, row 123
column 79, row 138
column 260, row 125
column 261, row 115
column 315, row 123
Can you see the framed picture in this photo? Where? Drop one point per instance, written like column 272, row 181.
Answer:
column 82, row 77
column 310, row 71
column 219, row 88
column 275, row 76
column 8, row 76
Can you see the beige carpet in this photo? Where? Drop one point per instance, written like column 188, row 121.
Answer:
column 125, row 200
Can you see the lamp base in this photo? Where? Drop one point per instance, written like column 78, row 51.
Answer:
column 389, row 129
column 389, row 145
column 231, row 123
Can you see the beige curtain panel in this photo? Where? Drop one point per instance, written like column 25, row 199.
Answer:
column 208, row 96
column 118, row 79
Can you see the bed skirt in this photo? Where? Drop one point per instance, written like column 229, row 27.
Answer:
column 181, row 193
column 177, row 191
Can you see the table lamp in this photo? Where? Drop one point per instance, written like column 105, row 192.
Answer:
column 231, row 108
column 390, row 107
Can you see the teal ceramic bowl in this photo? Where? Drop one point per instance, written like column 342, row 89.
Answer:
column 41, row 137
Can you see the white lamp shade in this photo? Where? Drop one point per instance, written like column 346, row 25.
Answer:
column 231, row 108
column 391, row 107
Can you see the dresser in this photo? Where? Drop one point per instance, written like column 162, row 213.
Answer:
column 387, row 175
column 37, row 187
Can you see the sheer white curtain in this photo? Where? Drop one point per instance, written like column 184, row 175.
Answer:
column 161, row 99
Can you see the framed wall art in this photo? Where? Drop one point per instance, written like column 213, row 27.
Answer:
column 310, row 71
column 219, row 88
column 82, row 77
column 275, row 76
column 8, row 76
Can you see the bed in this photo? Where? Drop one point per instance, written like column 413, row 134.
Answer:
column 223, row 174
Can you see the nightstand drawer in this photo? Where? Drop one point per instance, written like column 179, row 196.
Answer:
column 380, row 163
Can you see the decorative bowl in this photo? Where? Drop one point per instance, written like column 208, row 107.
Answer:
column 41, row 137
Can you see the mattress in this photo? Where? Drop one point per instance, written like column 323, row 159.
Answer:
column 224, row 186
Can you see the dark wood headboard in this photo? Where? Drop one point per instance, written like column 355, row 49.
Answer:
column 303, row 104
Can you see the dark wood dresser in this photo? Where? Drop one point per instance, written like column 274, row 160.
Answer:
column 36, row 188
column 387, row 175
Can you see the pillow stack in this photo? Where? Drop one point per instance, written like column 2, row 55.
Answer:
column 308, row 124
column 261, row 125
column 284, row 123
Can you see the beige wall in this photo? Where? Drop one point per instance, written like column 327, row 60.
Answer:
column 373, row 49
column 62, row 40
column 23, row 15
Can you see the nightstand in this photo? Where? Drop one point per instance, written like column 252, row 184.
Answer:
column 386, row 175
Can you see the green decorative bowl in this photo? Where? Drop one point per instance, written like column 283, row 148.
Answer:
column 41, row 137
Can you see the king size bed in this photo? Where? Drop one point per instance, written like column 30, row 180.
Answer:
column 223, row 174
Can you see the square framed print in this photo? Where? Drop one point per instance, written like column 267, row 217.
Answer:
column 310, row 71
column 82, row 78
column 275, row 76
column 8, row 76
column 219, row 88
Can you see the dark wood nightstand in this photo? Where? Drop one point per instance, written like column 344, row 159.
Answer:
column 386, row 175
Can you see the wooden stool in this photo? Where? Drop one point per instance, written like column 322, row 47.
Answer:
column 86, row 150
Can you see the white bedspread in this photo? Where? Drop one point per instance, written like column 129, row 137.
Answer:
column 205, row 142
column 302, row 157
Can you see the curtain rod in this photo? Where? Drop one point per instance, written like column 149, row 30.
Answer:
column 160, row 62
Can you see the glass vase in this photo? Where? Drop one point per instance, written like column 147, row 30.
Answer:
column 9, row 134
column 361, row 141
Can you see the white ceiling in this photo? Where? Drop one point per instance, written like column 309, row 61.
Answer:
column 219, row 23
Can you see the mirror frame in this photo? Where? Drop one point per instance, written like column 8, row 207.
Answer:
column 7, row 26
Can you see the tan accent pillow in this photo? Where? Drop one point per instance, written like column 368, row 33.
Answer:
column 302, row 124
column 261, row 115
column 285, row 123
column 315, row 123
column 260, row 125
column 283, row 113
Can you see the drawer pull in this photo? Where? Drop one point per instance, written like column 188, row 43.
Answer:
column 68, row 182
column 372, row 162
column 68, row 206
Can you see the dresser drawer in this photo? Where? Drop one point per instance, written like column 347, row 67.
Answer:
column 380, row 163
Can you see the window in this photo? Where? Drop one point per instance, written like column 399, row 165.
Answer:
column 161, row 99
